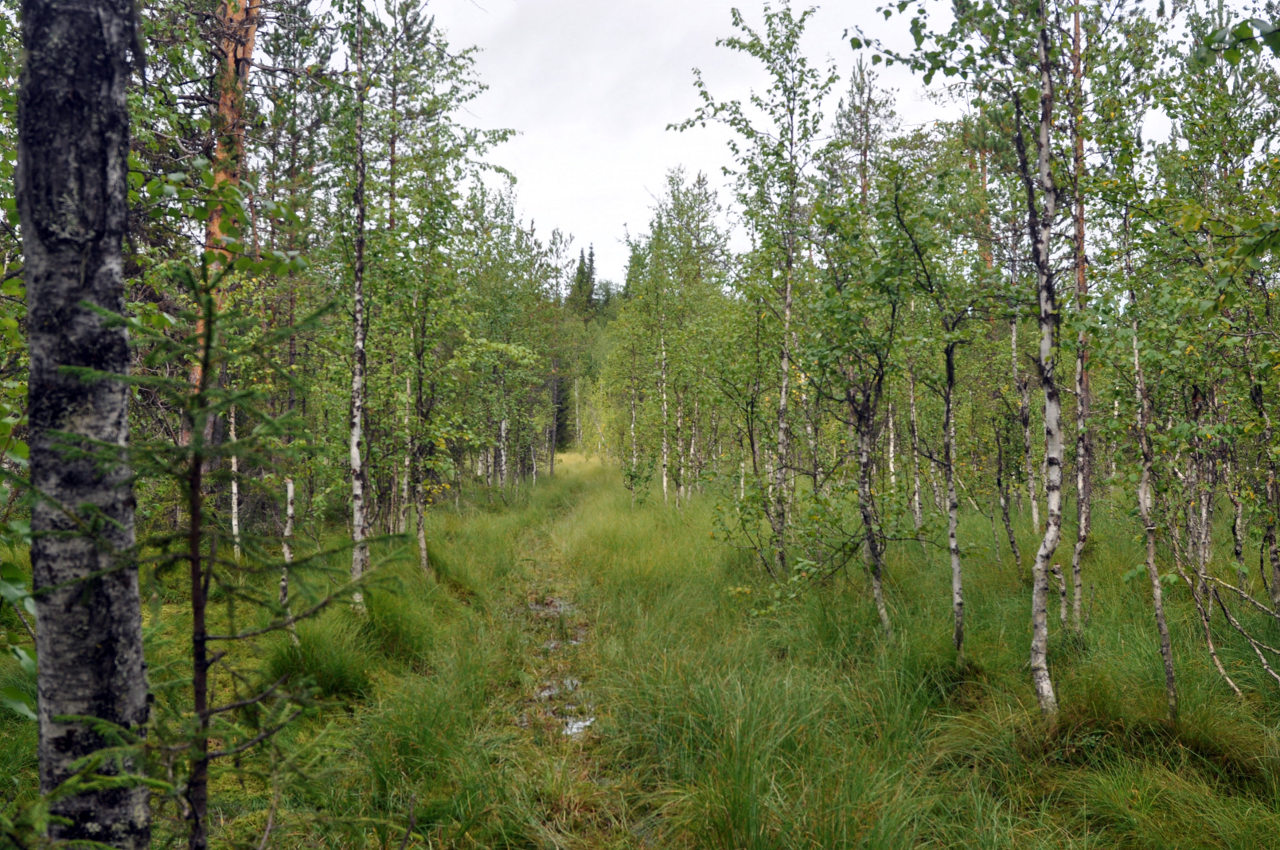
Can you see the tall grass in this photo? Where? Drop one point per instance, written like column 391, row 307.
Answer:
column 717, row 727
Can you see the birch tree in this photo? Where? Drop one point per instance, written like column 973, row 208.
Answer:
column 73, row 149
column 777, row 136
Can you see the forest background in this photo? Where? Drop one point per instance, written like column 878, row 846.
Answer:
column 843, row 370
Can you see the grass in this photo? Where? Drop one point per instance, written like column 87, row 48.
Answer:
column 444, row 708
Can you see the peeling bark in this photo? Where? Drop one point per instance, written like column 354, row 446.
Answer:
column 1040, row 220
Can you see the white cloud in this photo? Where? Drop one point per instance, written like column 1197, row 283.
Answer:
column 590, row 85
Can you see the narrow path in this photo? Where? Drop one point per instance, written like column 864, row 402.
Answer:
column 558, row 709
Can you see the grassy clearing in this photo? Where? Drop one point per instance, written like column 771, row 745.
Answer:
column 446, row 706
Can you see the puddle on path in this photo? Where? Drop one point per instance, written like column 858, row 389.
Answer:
column 577, row 726
column 548, row 709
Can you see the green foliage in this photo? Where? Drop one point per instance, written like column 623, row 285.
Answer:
column 327, row 657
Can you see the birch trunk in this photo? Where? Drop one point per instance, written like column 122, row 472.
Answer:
column 953, row 503
column 503, row 429
column 1024, row 417
column 407, row 466
column 235, row 486
column 1084, row 439
column 420, row 515
column 1040, row 219
column 73, row 145
column 1237, row 523
column 635, row 450
column 1002, row 488
column 875, row 542
column 917, row 509
column 893, row 450
column 778, row 516
column 680, row 454
column 359, row 521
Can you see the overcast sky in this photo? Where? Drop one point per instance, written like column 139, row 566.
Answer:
column 591, row 85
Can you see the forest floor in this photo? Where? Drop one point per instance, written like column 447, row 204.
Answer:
column 579, row 672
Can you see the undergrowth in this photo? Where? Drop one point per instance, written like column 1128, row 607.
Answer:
column 718, row 726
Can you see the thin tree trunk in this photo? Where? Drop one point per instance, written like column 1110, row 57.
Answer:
column 1002, row 488
column 1237, row 523
column 503, row 430
column 871, row 525
column 73, row 146
column 917, row 509
column 778, row 516
column 1084, row 439
column 893, row 452
column 359, row 521
column 420, row 515
column 1040, row 219
column 1146, row 498
column 409, row 447
column 238, row 30
column 1024, row 417
column 680, row 455
column 554, row 441
column 953, row 503
column 235, row 486
column 635, row 451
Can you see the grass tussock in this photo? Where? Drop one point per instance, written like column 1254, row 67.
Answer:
column 717, row 722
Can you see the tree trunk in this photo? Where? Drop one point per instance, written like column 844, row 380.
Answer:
column 235, row 486
column 635, row 452
column 778, row 516
column 1002, row 488
column 680, row 454
column 420, row 516
column 238, row 29
column 1084, row 439
column 360, row 547
column 406, row 483
column 555, row 428
column 893, row 452
column 1024, row 417
column 953, row 502
column 870, row 523
column 73, row 145
column 1040, row 218
column 917, row 508
column 503, row 430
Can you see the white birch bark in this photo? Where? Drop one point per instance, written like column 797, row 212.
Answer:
column 73, row 145
column 917, row 507
column 407, row 465
column 359, row 521
column 235, row 486
column 1084, row 439
column 871, row 526
column 893, row 450
column 420, row 516
column 503, row 429
column 953, row 505
column 778, row 515
column 1041, row 226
